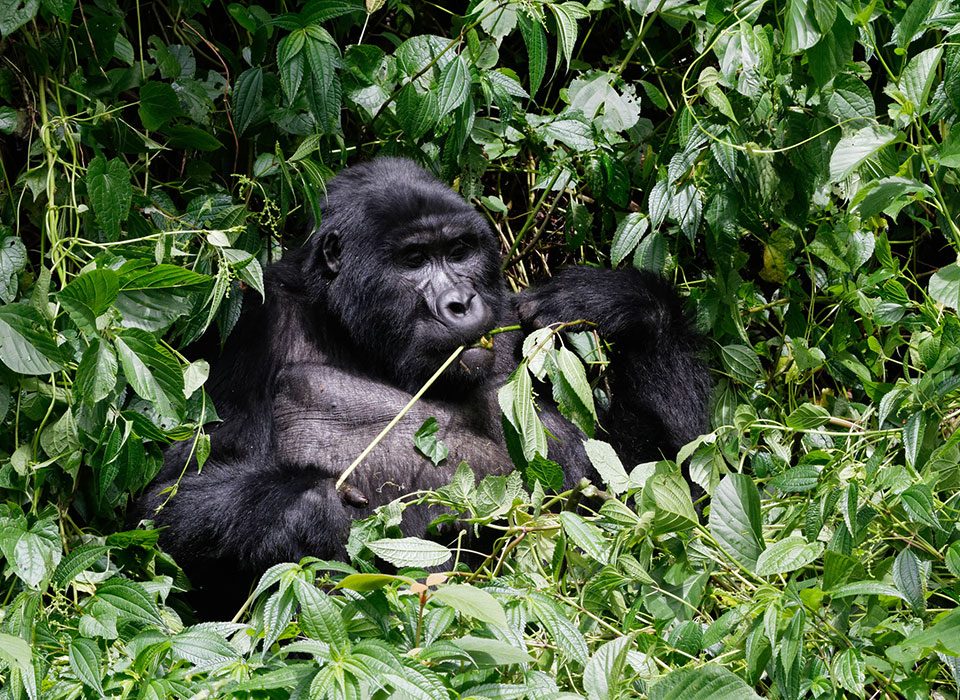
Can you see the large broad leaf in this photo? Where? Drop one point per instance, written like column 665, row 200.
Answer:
column 152, row 371
column 535, row 39
column 26, row 346
column 787, row 555
column 855, row 148
column 608, row 465
column 918, row 77
column 16, row 13
column 735, row 519
column 945, row 286
column 710, row 682
column 410, row 551
column 627, row 236
column 110, row 192
column 473, row 602
column 492, row 652
column 158, row 104
column 454, row 86
column 247, row 98
column 800, row 32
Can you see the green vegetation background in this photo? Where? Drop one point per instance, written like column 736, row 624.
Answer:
column 793, row 166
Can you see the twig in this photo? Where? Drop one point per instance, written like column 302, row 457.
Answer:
column 397, row 418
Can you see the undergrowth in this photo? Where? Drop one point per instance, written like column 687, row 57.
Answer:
column 792, row 166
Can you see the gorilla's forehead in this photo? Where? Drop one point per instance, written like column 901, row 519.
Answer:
column 433, row 227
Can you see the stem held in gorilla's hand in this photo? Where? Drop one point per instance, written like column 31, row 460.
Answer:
column 397, row 418
column 488, row 337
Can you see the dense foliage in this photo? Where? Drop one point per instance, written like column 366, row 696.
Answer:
column 793, row 166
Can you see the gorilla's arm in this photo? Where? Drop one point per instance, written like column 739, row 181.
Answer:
column 659, row 387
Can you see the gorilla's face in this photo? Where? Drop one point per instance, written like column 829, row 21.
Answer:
column 415, row 273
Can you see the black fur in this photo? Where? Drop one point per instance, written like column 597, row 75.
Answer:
column 353, row 323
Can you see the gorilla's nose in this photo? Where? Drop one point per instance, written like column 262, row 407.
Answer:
column 461, row 308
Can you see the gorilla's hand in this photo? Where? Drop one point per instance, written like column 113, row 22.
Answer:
column 352, row 496
column 622, row 303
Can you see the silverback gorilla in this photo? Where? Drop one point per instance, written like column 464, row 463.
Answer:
column 400, row 272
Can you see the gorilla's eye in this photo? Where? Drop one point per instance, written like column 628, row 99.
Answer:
column 413, row 258
column 460, row 250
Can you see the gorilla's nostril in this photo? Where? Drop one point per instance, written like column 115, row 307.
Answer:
column 458, row 308
column 460, row 304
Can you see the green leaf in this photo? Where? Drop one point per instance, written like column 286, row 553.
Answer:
column 417, row 112
column 546, row 471
column 158, row 104
column 13, row 258
column 909, row 581
column 85, row 663
column 917, row 501
column 454, row 86
column 627, row 236
column 572, row 391
column 602, row 676
column 320, row 617
column 185, row 136
column 859, row 588
column 428, row 443
column 943, row 635
column 850, row 99
column 247, row 99
column 741, row 362
column 472, row 602
column 567, row 15
column 909, row 28
column 571, row 133
column 708, row 682
column 492, row 652
column 26, row 345
column 799, row 33
column 608, row 465
column 516, row 402
column 918, row 77
column 567, row 638
column 152, row 372
column 535, row 40
column 16, row 652
column 852, row 150
column 97, row 289
column 203, row 648
column 410, row 551
column 324, row 93
column 76, row 562
column 952, row 559
column 16, row 13
column 735, row 518
column 586, row 536
column 670, row 494
column 129, row 599
column 365, row 583
column 849, row 670
column 787, row 555
column 110, row 192
column 944, row 287
column 8, row 120
column 807, row 416
column 797, row 479
column 135, row 277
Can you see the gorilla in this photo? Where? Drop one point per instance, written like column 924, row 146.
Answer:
column 400, row 272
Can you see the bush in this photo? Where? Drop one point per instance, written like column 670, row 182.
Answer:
column 792, row 166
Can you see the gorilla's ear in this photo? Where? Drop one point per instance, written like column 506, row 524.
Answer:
column 327, row 255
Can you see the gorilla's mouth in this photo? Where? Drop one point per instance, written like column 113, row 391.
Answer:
column 476, row 360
